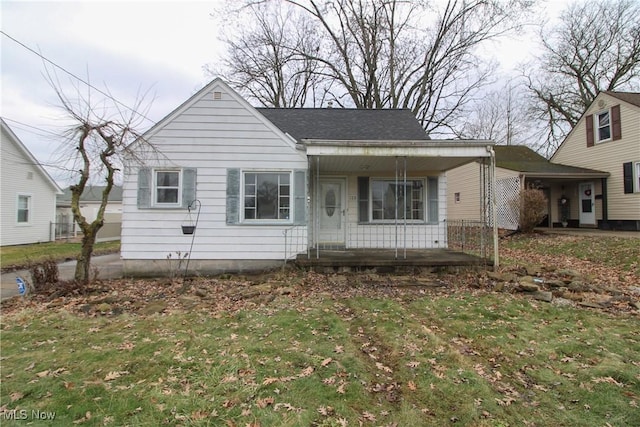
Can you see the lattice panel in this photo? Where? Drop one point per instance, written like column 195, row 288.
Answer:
column 508, row 202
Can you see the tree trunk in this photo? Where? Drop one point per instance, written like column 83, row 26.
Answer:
column 83, row 265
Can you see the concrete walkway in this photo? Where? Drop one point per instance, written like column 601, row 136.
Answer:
column 109, row 267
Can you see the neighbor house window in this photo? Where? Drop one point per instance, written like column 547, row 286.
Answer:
column 167, row 188
column 24, row 208
column 409, row 197
column 603, row 126
column 637, row 177
column 267, row 196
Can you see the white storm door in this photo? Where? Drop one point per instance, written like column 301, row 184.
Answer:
column 331, row 212
column 587, row 203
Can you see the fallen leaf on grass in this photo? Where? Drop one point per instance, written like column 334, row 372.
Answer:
column 16, row 396
column 384, row 368
column 306, row 372
column 115, row 375
column 609, row 380
column 87, row 417
column 412, row 386
column 326, row 361
column 263, row 403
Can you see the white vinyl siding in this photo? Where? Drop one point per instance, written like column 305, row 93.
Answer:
column 212, row 137
column 20, row 176
column 607, row 157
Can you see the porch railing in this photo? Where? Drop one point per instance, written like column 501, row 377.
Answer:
column 471, row 236
column 295, row 241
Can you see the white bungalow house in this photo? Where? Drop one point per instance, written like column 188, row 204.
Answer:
column 28, row 194
column 265, row 185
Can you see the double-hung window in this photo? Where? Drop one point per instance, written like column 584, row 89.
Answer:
column 167, row 188
column 391, row 199
column 24, row 209
column 603, row 126
column 267, row 196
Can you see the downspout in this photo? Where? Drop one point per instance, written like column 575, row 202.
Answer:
column 494, row 218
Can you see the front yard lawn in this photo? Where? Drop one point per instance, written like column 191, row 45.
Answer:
column 295, row 348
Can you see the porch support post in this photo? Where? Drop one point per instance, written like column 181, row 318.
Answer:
column 396, row 216
column 317, row 208
column 404, row 204
column 494, row 217
column 307, row 201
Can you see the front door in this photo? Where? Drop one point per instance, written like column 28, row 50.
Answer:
column 587, row 203
column 331, row 215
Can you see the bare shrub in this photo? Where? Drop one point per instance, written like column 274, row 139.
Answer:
column 533, row 208
column 44, row 273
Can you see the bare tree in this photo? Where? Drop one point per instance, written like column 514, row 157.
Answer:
column 595, row 47
column 96, row 143
column 269, row 55
column 399, row 54
column 500, row 115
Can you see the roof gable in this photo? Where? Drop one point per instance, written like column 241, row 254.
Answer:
column 27, row 154
column 215, row 85
column 632, row 98
column 346, row 123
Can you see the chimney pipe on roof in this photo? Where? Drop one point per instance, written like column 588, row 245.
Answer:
column 330, row 104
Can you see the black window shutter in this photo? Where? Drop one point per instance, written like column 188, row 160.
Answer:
column 188, row 186
column 300, row 197
column 144, row 188
column 590, row 136
column 616, row 128
column 363, row 199
column 627, row 172
column 233, row 196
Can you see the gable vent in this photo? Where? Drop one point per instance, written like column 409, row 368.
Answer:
column 601, row 103
column 217, row 95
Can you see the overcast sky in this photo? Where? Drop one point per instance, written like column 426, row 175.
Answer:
column 123, row 46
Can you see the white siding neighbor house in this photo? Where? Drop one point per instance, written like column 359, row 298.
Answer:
column 607, row 138
column 28, row 194
column 263, row 185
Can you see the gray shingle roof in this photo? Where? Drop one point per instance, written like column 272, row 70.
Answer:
column 630, row 97
column 346, row 123
column 523, row 159
column 92, row 194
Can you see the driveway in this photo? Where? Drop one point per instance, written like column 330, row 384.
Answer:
column 109, row 267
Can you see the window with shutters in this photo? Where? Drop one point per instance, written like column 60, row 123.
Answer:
column 391, row 200
column 167, row 188
column 267, row 196
column 164, row 188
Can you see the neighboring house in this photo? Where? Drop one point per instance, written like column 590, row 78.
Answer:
column 606, row 138
column 266, row 185
column 518, row 167
column 28, row 194
column 90, row 202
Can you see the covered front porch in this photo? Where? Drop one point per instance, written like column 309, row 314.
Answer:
column 383, row 203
